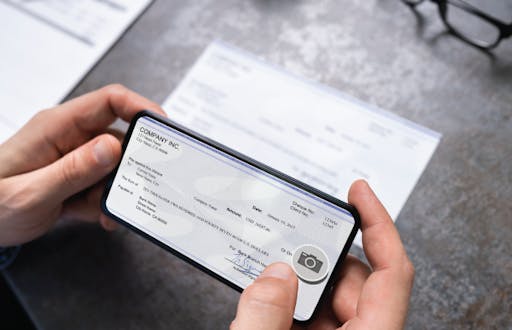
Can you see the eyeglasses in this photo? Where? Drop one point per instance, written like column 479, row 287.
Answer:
column 470, row 23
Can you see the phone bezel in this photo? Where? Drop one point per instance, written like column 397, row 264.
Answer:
column 220, row 147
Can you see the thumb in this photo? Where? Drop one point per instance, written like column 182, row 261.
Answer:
column 269, row 302
column 79, row 169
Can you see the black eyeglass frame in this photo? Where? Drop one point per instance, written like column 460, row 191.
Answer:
column 505, row 30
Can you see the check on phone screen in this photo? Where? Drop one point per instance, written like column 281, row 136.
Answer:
column 226, row 214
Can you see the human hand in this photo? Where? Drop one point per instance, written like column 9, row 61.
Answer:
column 363, row 298
column 53, row 166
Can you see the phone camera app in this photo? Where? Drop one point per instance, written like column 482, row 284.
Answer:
column 310, row 261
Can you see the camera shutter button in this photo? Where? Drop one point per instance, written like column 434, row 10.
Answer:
column 310, row 263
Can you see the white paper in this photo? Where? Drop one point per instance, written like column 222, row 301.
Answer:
column 308, row 131
column 48, row 46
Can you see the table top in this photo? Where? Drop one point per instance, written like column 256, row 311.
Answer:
column 456, row 224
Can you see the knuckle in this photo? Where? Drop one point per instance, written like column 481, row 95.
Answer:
column 42, row 115
column 345, row 302
column 409, row 269
column 20, row 197
column 114, row 89
column 70, row 169
column 235, row 325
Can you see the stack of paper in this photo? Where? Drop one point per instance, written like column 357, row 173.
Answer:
column 308, row 131
column 47, row 48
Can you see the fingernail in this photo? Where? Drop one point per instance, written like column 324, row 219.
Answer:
column 103, row 153
column 278, row 270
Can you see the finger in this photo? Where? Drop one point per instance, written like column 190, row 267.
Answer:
column 86, row 207
column 269, row 302
column 50, row 134
column 381, row 242
column 385, row 295
column 78, row 170
column 115, row 132
column 107, row 223
column 95, row 111
column 346, row 293
column 98, row 109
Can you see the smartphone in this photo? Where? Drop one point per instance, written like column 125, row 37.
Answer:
column 225, row 213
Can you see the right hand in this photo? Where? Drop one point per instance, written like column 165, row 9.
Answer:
column 364, row 298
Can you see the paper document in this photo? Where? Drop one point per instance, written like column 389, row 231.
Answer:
column 49, row 45
column 308, row 131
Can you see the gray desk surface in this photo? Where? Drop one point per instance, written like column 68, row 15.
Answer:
column 456, row 224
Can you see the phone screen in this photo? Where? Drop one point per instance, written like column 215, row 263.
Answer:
column 225, row 213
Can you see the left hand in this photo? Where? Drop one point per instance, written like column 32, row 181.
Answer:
column 53, row 166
